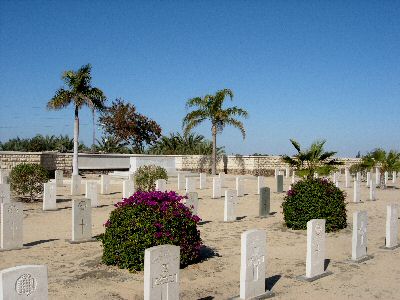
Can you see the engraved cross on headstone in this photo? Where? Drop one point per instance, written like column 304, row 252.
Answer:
column 82, row 224
column 164, row 280
column 2, row 196
column 256, row 260
column 362, row 231
column 13, row 210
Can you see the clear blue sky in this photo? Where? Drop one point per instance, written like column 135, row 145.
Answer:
column 303, row 69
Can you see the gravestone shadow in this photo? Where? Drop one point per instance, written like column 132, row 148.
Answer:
column 206, row 298
column 206, row 253
column 271, row 281
column 240, row 218
column 326, row 263
column 39, row 242
column 204, row 222
column 61, row 200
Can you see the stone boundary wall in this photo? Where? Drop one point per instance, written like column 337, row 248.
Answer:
column 235, row 164
column 231, row 164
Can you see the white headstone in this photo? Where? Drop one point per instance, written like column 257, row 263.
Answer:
column 260, row 184
column 315, row 262
column 161, row 185
column 104, row 184
column 222, row 178
column 81, row 220
column 216, row 192
column 372, row 190
column 358, row 176
column 91, row 193
column 293, row 175
column 335, row 177
column 359, row 240
column 337, row 184
column 192, row 202
column 276, row 172
column 394, row 177
column 386, row 178
column 347, row 177
column 5, row 193
column 190, row 185
column 75, row 185
column 203, row 181
column 4, row 176
column 11, row 225
column 239, row 186
column 368, row 178
column 24, row 282
column 161, row 272
column 49, row 196
column 181, row 181
column 229, row 206
column 59, row 176
column 392, row 226
column 252, row 264
column 128, row 188
column 287, row 172
column 377, row 176
column 356, row 192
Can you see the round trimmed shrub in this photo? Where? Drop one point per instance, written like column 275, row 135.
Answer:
column 26, row 180
column 315, row 199
column 146, row 176
column 148, row 219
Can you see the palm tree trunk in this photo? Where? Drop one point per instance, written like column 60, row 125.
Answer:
column 94, row 129
column 75, row 170
column 214, row 150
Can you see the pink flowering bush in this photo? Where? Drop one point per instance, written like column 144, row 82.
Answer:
column 148, row 219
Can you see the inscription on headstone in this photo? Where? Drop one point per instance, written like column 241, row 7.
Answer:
column 128, row 188
column 203, row 181
column 11, row 225
column 24, row 282
column 359, row 239
column 252, row 265
column 161, row 185
column 161, row 272
column 279, row 184
column 229, row 206
column 4, row 193
column 192, row 202
column 216, row 192
column 81, row 220
column 75, row 185
column 49, row 196
column 105, row 184
column 265, row 202
column 392, row 226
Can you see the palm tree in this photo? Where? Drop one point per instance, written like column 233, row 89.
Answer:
column 210, row 108
column 387, row 161
column 79, row 92
column 313, row 160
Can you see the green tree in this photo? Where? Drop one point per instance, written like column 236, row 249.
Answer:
column 122, row 121
column 386, row 161
column 177, row 144
column 312, row 160
column 79, row 92
column 210, row 108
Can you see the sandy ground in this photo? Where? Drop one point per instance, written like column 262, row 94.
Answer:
column 76, row 271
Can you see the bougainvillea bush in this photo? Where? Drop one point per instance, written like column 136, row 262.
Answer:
column 148, row 219
column 315, row 199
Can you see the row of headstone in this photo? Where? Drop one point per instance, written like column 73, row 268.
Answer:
column 12, row 223
column 161, row 266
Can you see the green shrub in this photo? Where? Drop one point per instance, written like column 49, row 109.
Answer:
column 146, row 176
column 148, row 219
column 315, row 199
column 26, row 180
